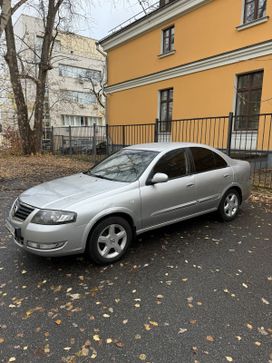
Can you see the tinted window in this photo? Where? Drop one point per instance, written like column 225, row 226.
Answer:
column 206, row 160
column 124, row 166
column 174, row 164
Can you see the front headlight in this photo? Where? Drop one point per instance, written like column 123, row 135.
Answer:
column 53, row 217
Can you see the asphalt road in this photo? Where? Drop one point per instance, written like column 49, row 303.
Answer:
column 198, row 291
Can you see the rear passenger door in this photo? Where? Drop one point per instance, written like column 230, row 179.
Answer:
column 212, row 177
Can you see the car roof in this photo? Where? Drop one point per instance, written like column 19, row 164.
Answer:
column 165, row 146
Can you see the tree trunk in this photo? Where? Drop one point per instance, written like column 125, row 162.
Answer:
column 21, row 106
column 31, row 139
column 5, row 14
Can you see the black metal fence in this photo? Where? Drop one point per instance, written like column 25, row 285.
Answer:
column 242, row 137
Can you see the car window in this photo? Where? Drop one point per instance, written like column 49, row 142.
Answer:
column 206, row 160
column 174, row 164
column 124, row 166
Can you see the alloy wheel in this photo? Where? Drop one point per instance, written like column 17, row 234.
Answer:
column 231, row 205
column 112, row 241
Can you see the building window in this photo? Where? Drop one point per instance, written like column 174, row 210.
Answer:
column 80, row 73
column 71, row 120
column 248, row 101
column 82, row 98
column 39, row 44
column 165, row 2
column 168, row 40
column 166, row 109
column 254, row 9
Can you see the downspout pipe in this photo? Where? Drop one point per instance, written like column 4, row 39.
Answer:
column 104, row 54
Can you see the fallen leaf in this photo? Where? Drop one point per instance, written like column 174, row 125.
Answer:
column 154, row 323
column 142, row 357
column 58, row 322
column 266, row 302
column 147, row 327
column 210, row 338
column 258, row 344
column 119, row 344
column 249, row 326
column 181, row 331
column 96, row 338
column 109, row 341
column 229, row 359
column 2, row 340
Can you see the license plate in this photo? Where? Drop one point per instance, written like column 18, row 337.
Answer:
column 10, row 228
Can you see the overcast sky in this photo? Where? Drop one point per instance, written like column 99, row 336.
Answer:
column 103, row 15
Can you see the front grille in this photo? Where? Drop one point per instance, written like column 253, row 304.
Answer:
column 22, row 211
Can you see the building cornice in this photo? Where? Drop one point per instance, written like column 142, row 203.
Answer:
column 235, row 56
column 151, row 21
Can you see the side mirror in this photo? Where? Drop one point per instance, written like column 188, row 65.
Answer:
column 159, row 178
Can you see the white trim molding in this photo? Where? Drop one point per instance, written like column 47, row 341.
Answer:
column 235, row 56
column 252, row 23
column 151, row 21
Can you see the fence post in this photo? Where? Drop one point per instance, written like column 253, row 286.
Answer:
column 229, row 133
column 107, row 139
column 52, row 140
column 123, row 135
column 156, row 131
column 94, row 143
column 70, row 140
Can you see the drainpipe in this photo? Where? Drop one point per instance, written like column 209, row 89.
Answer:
column 104, row 54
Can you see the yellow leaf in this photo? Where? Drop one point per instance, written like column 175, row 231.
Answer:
column 147, row 327
column 229, row 359
column 2, row 340
column 96, row 338
column 154, row 323
column 210, row 338
column 142, row 357
column 58, row 322
column 109, row 341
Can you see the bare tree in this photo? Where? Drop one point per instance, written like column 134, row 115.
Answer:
column 7, row 11
column 97, row 86
column 31, row 135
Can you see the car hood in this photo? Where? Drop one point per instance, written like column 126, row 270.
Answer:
column 64, row 192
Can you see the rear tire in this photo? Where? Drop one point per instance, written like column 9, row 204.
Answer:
column 229, row 205
column 109, row 240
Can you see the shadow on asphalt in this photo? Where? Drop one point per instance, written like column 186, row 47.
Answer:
column 141, row 251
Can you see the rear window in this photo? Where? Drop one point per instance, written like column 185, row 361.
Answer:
column 206, row 160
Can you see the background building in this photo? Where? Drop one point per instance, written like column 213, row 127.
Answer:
column 77, row 74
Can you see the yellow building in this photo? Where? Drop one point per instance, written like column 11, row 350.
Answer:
column 194, row 59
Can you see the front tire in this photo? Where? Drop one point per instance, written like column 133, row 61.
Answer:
column 229, row 205
column 109, row 240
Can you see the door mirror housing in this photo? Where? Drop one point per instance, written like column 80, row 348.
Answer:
column 159, row 178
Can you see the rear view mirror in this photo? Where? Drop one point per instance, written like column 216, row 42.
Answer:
column 159, row 178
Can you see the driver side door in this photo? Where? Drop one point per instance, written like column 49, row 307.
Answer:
column 166, row 202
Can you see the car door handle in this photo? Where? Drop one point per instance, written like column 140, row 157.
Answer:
column 190, row 185
column 226, row 176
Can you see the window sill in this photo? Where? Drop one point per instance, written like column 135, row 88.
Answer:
column 163, row 55
column 252, row 23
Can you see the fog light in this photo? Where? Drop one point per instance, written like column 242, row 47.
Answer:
column 45, row 246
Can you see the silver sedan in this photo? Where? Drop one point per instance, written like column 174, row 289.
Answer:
column 141, row 187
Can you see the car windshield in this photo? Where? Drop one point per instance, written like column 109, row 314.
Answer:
column 124, row 166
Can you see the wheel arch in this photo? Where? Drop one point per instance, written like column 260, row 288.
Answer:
column 123, row 214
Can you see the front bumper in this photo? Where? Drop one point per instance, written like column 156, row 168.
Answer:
column 63, row 240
